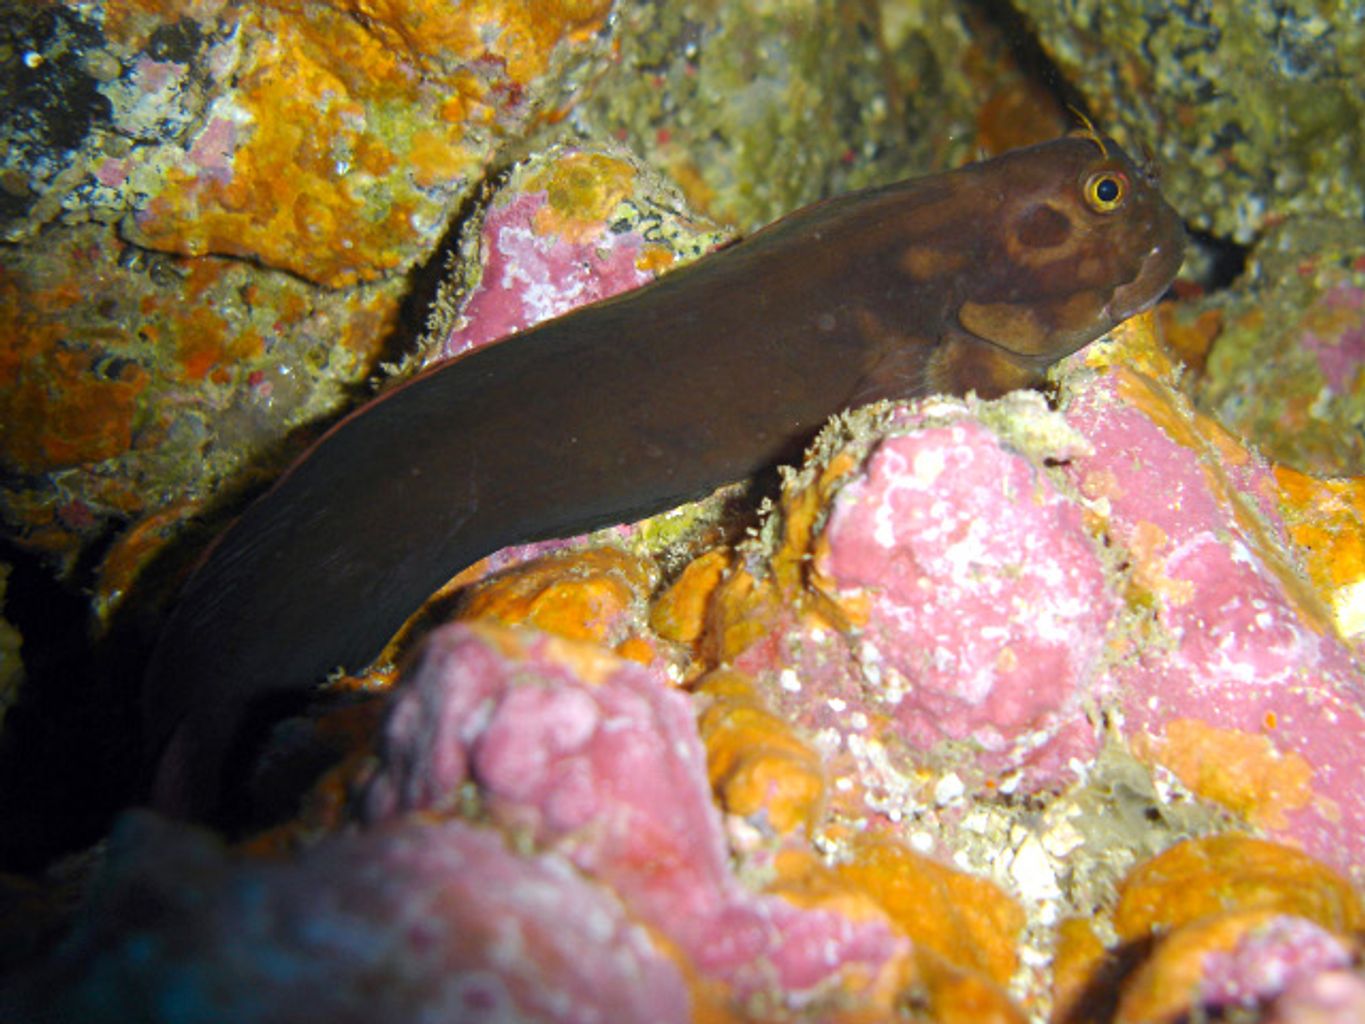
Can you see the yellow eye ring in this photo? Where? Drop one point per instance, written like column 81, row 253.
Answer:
column 1105, row 191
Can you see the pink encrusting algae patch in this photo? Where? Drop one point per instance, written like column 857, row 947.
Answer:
column 988, row 605
column 1270, row 959
column 1244, row 691
column 1000, row 600
column 1341, row 357
column 530, row 276
column 1332, row 997
column 598, row 760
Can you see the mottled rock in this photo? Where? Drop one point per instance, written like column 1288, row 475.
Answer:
column 1238, row 683
column 566, row 228
column 1255, row 109
column 1234, row 923
column 216, row 204
column 598, row 760
column 1286, row 368
column 412, row 921
column 986, row 602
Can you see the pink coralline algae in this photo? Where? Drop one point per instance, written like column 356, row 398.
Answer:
column 436, row 921
column 988, row 601
column 597, row 760
column 1270, row 959
column 1012, row 584
column 1332, row 997
column 568, row 228
column 529, row 277
column 1341, row 357
column 1241, row 688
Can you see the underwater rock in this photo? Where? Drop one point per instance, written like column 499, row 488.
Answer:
column 567, row 227
column 758, row 111
column 122, row 399
column 1255, row 110
column 984, row 603
column 203, row 151
column 1238, row 681
column 1287, row 365
column 1329, row 997
column 1120, row 572
column 1235, row 922
column 413, row 921
column 1326, row 519
column 933, row 599
column 598, row 760
column 1230, row 961
column 215, row 205
column 597, row 594
column 981, row 590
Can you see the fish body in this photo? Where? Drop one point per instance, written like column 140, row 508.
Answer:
column 975, row 279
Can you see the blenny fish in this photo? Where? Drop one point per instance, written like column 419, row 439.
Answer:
column 976, row 279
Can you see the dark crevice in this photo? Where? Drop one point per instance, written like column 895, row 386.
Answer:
column 68, row 749
column 1224, row 261
column 1019, row 38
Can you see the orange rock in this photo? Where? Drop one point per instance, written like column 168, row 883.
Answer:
column 580, row 595
column 1166, row 988
column 57, row 411
column 520, row 34
column 1135, row 343
column 802, row 878
column 679, row 614
column 1243, row 771
column 800, row 511
column 745, row 609
column 637, row 649
column 756, row 762
column 1327, row 521
column 955, row 996
column 1191, row 337
column 85, row 418
column 1200, row 877
column 133, row 549
column 338, row 158
column 968, row 921
column 1201, row 897
column 114, row 370
column 1077, row 959
column 947, row 992
column 581, row 189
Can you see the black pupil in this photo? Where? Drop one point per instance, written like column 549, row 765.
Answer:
column 1106, row 190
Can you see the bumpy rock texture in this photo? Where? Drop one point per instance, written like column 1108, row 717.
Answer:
column 217, row 203
column 970, row 630
column 439, row 922
column 1043, row 645
column 1287, row 368
column 1256, row 110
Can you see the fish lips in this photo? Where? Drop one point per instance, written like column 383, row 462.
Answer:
column 1159, row 268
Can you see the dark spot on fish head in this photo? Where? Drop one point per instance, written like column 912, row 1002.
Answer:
column 1042, row 227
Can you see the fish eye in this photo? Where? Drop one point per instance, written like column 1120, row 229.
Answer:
column 1105, row 191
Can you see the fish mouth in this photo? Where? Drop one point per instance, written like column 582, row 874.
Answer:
column 1162, row 263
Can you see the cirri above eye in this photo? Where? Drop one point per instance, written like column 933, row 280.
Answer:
column 1105, row 191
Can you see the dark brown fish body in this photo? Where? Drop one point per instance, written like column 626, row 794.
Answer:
column 975, row 279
